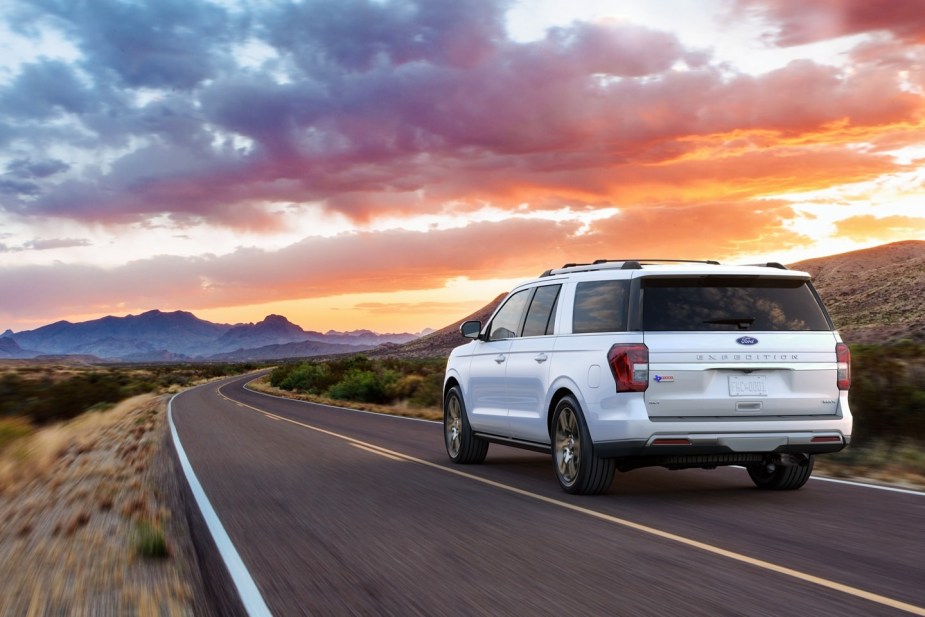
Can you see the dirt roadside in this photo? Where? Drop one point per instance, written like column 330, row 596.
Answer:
column 92, row 523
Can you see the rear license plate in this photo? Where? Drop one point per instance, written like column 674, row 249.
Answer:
column 747, row 385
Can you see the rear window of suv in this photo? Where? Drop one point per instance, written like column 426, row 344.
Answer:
column 600, row 306
column 730, row 303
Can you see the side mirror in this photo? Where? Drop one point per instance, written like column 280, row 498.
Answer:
column 471, row 329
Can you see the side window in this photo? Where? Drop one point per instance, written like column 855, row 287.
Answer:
column 600, row 306
column 540, row 315
column 507, row 322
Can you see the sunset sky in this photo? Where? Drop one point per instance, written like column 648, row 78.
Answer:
column 395, row 164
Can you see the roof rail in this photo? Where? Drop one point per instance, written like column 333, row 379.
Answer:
column 622, row 264
column 770, row 264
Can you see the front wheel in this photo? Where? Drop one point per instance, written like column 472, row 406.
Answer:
column 462, row 445
column 579, row 470
column 773, row 477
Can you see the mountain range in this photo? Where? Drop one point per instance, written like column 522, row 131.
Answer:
column 180, row 335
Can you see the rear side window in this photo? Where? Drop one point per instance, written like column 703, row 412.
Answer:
column 730, row 303
column 540, row 315
column 600, row 306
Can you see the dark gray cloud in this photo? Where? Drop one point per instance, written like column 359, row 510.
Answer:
column 27, row 168
column 163, row 44
column 44, row 244
column 46, row 89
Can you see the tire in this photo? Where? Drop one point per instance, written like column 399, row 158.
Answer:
column 771, row 477
column 462, row 446
column 578, row 469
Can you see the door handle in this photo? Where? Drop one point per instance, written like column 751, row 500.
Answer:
column 499, row 358
column 540, row 358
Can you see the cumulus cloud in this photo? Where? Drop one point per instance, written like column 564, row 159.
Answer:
column 868, row 228
column 799, row 22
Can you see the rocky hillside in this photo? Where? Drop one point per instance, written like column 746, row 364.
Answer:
column 874, row 295
column 436, row 344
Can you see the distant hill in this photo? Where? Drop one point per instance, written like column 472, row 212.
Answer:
column 874, row 295
column 179, row 332
column 157, row 336
column 9, row 349
column 439, row 343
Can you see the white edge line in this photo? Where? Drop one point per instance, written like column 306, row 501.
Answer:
column 243, row 582
column 879, row 487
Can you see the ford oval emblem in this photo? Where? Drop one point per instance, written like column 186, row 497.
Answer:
column 747, row 340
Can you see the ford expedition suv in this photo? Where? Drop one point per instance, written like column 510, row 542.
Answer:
column 617, row 365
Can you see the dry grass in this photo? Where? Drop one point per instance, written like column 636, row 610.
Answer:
column 73, row 497
column 901, row 464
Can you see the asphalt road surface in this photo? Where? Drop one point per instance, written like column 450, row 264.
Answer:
column 338, row 512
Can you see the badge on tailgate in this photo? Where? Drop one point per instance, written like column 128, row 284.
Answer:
column 747, row 385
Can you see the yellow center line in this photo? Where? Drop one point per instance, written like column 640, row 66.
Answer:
column 703, row 546
column 386, row 453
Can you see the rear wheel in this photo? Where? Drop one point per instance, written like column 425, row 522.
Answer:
column 578, row 469
column 461, row 443
column 774, row 477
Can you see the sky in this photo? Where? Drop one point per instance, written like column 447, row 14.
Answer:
column 396, row 164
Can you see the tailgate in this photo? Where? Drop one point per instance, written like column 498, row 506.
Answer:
column 734, row 374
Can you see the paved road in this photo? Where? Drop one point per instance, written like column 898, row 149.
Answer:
column 336, row 512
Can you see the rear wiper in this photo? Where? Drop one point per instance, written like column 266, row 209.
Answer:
column 741, row 322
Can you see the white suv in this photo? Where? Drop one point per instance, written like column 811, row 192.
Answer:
column 636, row 363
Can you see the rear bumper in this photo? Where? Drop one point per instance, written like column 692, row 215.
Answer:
column 680, row 445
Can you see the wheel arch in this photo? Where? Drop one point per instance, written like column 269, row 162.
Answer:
column 450, row 382
column 558, row 394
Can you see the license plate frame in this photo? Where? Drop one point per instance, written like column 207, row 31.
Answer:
column 748, row 385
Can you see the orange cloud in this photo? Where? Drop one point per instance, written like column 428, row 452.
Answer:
column 884, row 229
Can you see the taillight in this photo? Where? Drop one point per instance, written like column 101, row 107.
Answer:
column 843, row 372
column 630, row 367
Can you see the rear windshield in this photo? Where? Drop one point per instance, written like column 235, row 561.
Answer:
column 730, row 303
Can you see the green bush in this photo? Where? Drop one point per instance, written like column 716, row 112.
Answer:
column 429, row 392
column 887, row 393
column 362, row 385
column 150, row 542
column 358, row 378
column 308, row 377
column 46, row 396
column 12, row 429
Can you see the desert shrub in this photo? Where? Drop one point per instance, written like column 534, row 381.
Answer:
column 12, row 429
column 363, row 385
column 150, row 541
column 280, row 373
column 404, row 387
column 309, row 377
column 45, row 395
column 887, row 393
column 71, row 397
column 429, row 392
column 358, row 378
